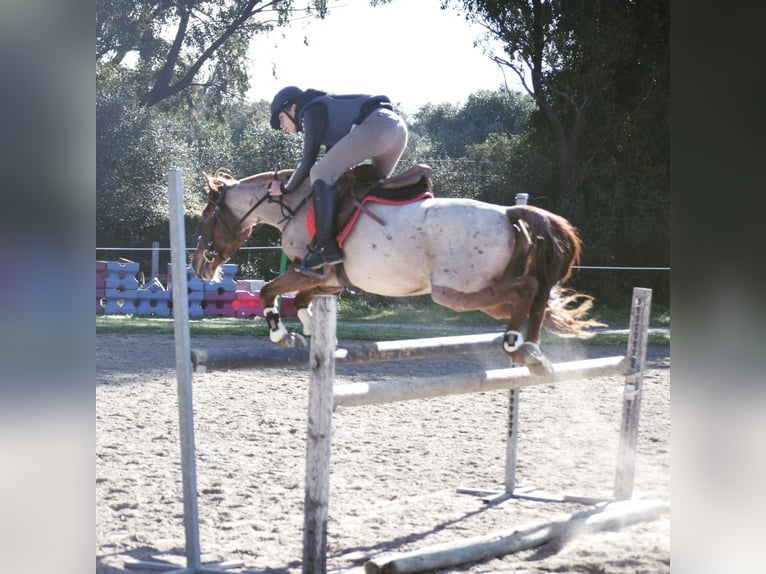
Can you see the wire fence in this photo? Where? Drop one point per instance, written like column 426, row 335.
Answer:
column 277, row 248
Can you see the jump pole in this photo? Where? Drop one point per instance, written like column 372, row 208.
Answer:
column 206, row 360
column 514, row 378
column 184, row 386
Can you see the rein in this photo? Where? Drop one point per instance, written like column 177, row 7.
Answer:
column 288, row 213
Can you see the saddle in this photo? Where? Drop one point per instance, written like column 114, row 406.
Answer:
column 363, row 184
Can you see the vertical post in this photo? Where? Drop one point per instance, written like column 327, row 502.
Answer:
column 318, row 443
column 631, row 404
column 183, row 365
column 514, row 397
column 510, row 446
column 155, row 258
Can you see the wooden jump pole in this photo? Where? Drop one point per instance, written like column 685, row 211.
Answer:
column 324, row 396
column 223, row 359
column 608, row 516
column 357, row 394
column 512, row 436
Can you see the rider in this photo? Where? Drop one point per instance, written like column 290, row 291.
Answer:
column 353, row 128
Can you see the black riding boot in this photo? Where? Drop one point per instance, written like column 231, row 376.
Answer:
column 326, row 251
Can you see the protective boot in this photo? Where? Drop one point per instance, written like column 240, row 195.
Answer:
column 326, row 251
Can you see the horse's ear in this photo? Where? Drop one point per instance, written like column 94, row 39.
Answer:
column 212, row 187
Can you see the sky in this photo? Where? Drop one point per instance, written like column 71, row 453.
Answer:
column 410, row 50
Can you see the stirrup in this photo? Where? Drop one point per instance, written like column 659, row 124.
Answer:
column 317, row 270
column 310, row 272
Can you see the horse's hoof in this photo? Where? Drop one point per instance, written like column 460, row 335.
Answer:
column 530, row 355
column 541, row 369
column 292, row 340
column 278, row 335
column 512, row 340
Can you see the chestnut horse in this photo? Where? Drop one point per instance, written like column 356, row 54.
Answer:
column 508, row 261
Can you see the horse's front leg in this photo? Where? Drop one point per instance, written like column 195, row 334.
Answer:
column 289, row 281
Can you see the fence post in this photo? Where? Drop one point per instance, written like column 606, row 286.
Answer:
column 631, row 403
column 155, row 259
column 514, row 397
column 319, row 436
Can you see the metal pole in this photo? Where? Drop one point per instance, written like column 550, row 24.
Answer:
column 183, row 366
column 514, row 398
column 155, row 258
column 184, row 384
column 631, row 404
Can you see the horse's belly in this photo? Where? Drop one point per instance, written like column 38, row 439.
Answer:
column 388, row 260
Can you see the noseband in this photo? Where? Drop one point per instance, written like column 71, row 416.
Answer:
column 211, row 252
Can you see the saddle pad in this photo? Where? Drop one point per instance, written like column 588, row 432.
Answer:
column 311, row 222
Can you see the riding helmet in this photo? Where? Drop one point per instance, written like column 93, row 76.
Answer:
column 284, row 98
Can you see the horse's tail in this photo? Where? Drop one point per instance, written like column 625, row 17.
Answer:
column 551, row 248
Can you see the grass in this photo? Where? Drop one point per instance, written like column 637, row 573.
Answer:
column 387, row 320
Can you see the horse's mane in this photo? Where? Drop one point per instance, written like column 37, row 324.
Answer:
column 223, row 178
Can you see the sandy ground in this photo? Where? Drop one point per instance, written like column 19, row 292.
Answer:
column 395, row 467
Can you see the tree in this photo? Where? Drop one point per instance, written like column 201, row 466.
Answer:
column 453, row 128
column 134, row 149
column 571, row 56
column 597, row 147
column 462, row 143
column 186, row 44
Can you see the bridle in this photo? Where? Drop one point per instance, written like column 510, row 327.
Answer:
column 211, row 252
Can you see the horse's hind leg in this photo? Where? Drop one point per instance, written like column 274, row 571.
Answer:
column 510, row 298
column 515, row 299
column 529, row 353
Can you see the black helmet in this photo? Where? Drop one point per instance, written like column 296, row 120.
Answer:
column 284, row 98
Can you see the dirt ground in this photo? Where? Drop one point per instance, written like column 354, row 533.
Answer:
column 395, row 467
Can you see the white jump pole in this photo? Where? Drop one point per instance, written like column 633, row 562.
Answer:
column 184, row 385
column 374, row 393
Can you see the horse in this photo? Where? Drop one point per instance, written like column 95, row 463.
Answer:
column 510, row 262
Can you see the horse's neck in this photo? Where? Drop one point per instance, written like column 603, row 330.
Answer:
column 270, row 212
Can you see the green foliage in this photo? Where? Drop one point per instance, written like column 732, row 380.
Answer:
column 189, row 53
column 261, row 149
column 451, row 129
column 596, row 148
column 134, row 149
